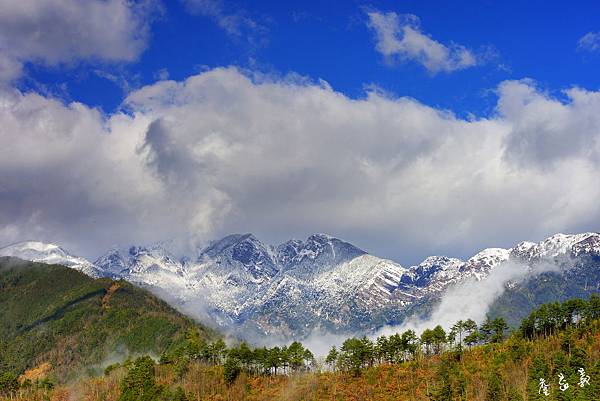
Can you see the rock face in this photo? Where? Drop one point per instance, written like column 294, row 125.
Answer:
column 321, row 283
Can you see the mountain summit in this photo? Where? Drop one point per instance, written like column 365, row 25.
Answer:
column 51, row 254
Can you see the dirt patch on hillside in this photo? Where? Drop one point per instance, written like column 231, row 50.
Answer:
column 106, row 298
column 40, row 372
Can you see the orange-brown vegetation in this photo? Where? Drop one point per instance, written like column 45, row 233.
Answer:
column 419, row 379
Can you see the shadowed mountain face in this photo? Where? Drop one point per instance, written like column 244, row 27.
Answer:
column 577, row 275
column 324, row 283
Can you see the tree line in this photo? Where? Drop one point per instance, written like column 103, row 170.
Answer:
column 358, row 353
column 555, row 317
column 241, row 358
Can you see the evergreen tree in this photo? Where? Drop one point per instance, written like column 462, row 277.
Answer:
column 427, row 340
column 231, row 369
column 140, row 384
column 382, row 349
column 396, row 348
column 309, row 358
column 451, row 384
column 494, row 387
column 499, row 326
column 274, row 359
column 485, row 331
column 439, row 338
column 332, row 357
column 8, row 383
column 538, row 371
column 217, row 352
column 296, row 354
column 592, row 310
column 356, row 353
column 409, row 344
column 456, row 334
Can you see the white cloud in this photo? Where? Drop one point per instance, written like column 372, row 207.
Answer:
column 471, row 299
column 235, row 23
column 54, row 32
column 399, row 37
column 546, row 132
column 226, row 152
column 589, row 42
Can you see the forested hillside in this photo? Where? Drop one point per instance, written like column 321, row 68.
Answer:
column 554, row 355
column 58, row 323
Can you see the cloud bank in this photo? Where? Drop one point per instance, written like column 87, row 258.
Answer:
column 471, row 299
column 399, row 38
column 227, row 151
column 57, row 32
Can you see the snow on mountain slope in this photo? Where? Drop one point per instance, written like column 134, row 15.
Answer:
column 558, row 244
column 150, row 266
column 302, row 285
column 588, row 246
column 50, row 254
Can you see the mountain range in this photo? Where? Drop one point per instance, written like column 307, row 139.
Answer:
column 328, row 285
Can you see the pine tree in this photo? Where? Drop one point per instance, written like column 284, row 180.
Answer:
column 409, row 344
column 332, row 357
column 140, row 384
column 231, row 369
column 494, row 387
column 427, row 340
column 439, row 338
column 538, row 370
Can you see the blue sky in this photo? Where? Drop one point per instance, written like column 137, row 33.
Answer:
column 408, row 128
column 331, row 41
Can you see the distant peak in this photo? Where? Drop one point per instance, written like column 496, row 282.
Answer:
column 34, row 246
column 499, row 253
column 438, row 259
column 321, row 237
column 218, row 246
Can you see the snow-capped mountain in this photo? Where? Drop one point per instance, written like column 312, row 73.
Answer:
column 151, row 266
column 50, row 254
column 301, row 285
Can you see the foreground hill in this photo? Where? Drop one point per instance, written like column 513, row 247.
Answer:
column 58, row 319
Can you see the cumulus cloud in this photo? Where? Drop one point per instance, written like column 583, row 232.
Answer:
column 545, row 131
column 399, row 37
column 226, row 151
column 54, row 32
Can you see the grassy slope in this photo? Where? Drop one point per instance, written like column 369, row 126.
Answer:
column 55, row 314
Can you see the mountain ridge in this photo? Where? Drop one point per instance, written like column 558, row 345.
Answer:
column 318, row 284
